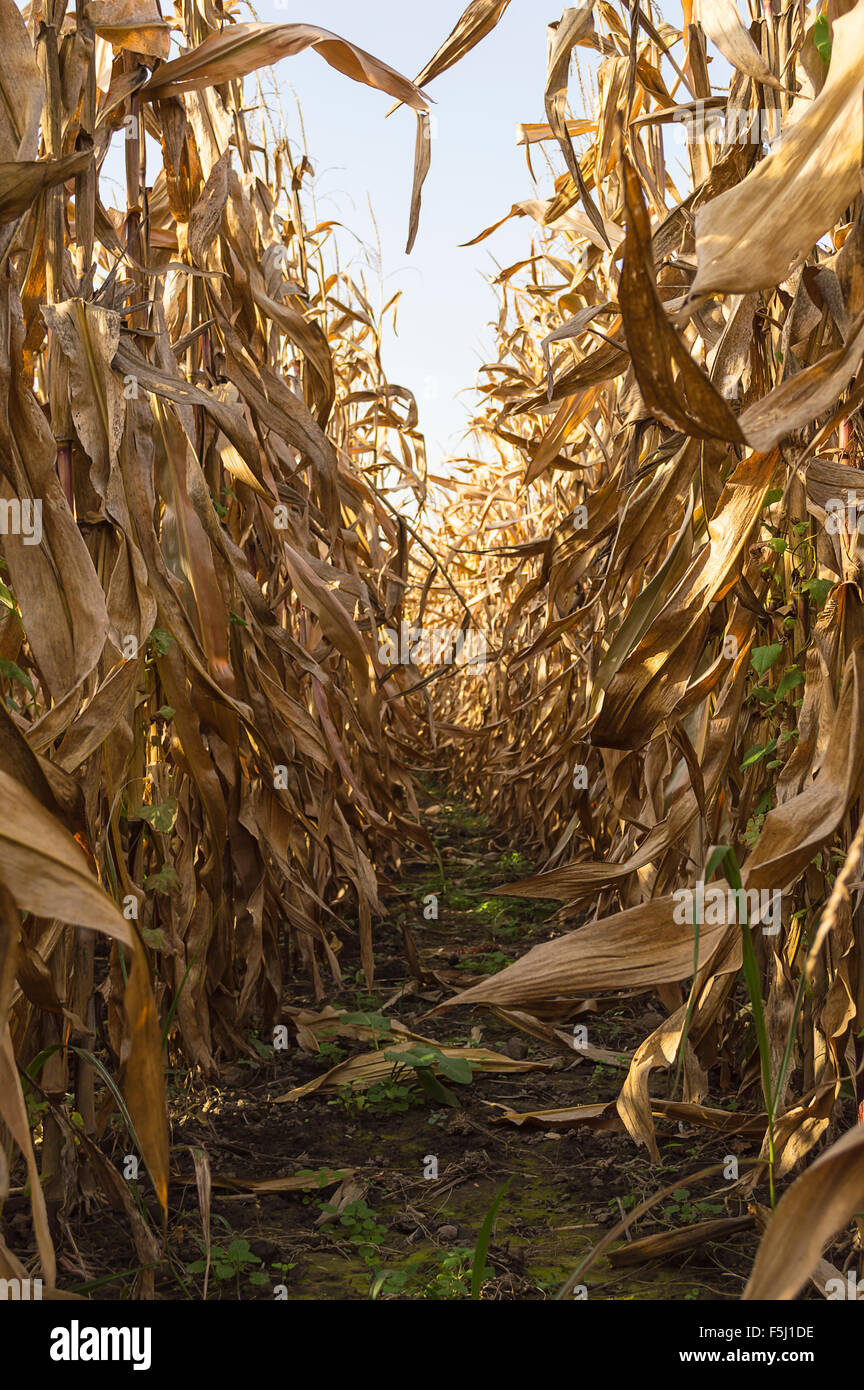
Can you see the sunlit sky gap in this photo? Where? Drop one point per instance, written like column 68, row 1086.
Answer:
column 363, row 162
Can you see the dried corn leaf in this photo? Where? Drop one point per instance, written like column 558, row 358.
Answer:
column 751, row 236
column 46, row 872
column 817, row 1205
column 640, row 947
column 143, row 1072
column 723, row 24
column 239, row 49
column 369, row 1067
column 21, row 86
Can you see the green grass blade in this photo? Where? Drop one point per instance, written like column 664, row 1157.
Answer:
column 482, row 1247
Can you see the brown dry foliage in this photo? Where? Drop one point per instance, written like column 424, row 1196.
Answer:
column 197, row 760
column 641, row 528
column 204, row 761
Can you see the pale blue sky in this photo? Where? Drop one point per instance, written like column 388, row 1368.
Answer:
column 477, row 173
column 364, row 163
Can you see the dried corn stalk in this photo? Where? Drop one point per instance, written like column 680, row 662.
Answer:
column 198, row 450
column 656, row 526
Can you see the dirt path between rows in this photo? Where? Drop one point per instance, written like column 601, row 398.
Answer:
column 383, row 1193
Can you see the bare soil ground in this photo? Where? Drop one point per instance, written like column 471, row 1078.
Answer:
column 387, row 1229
